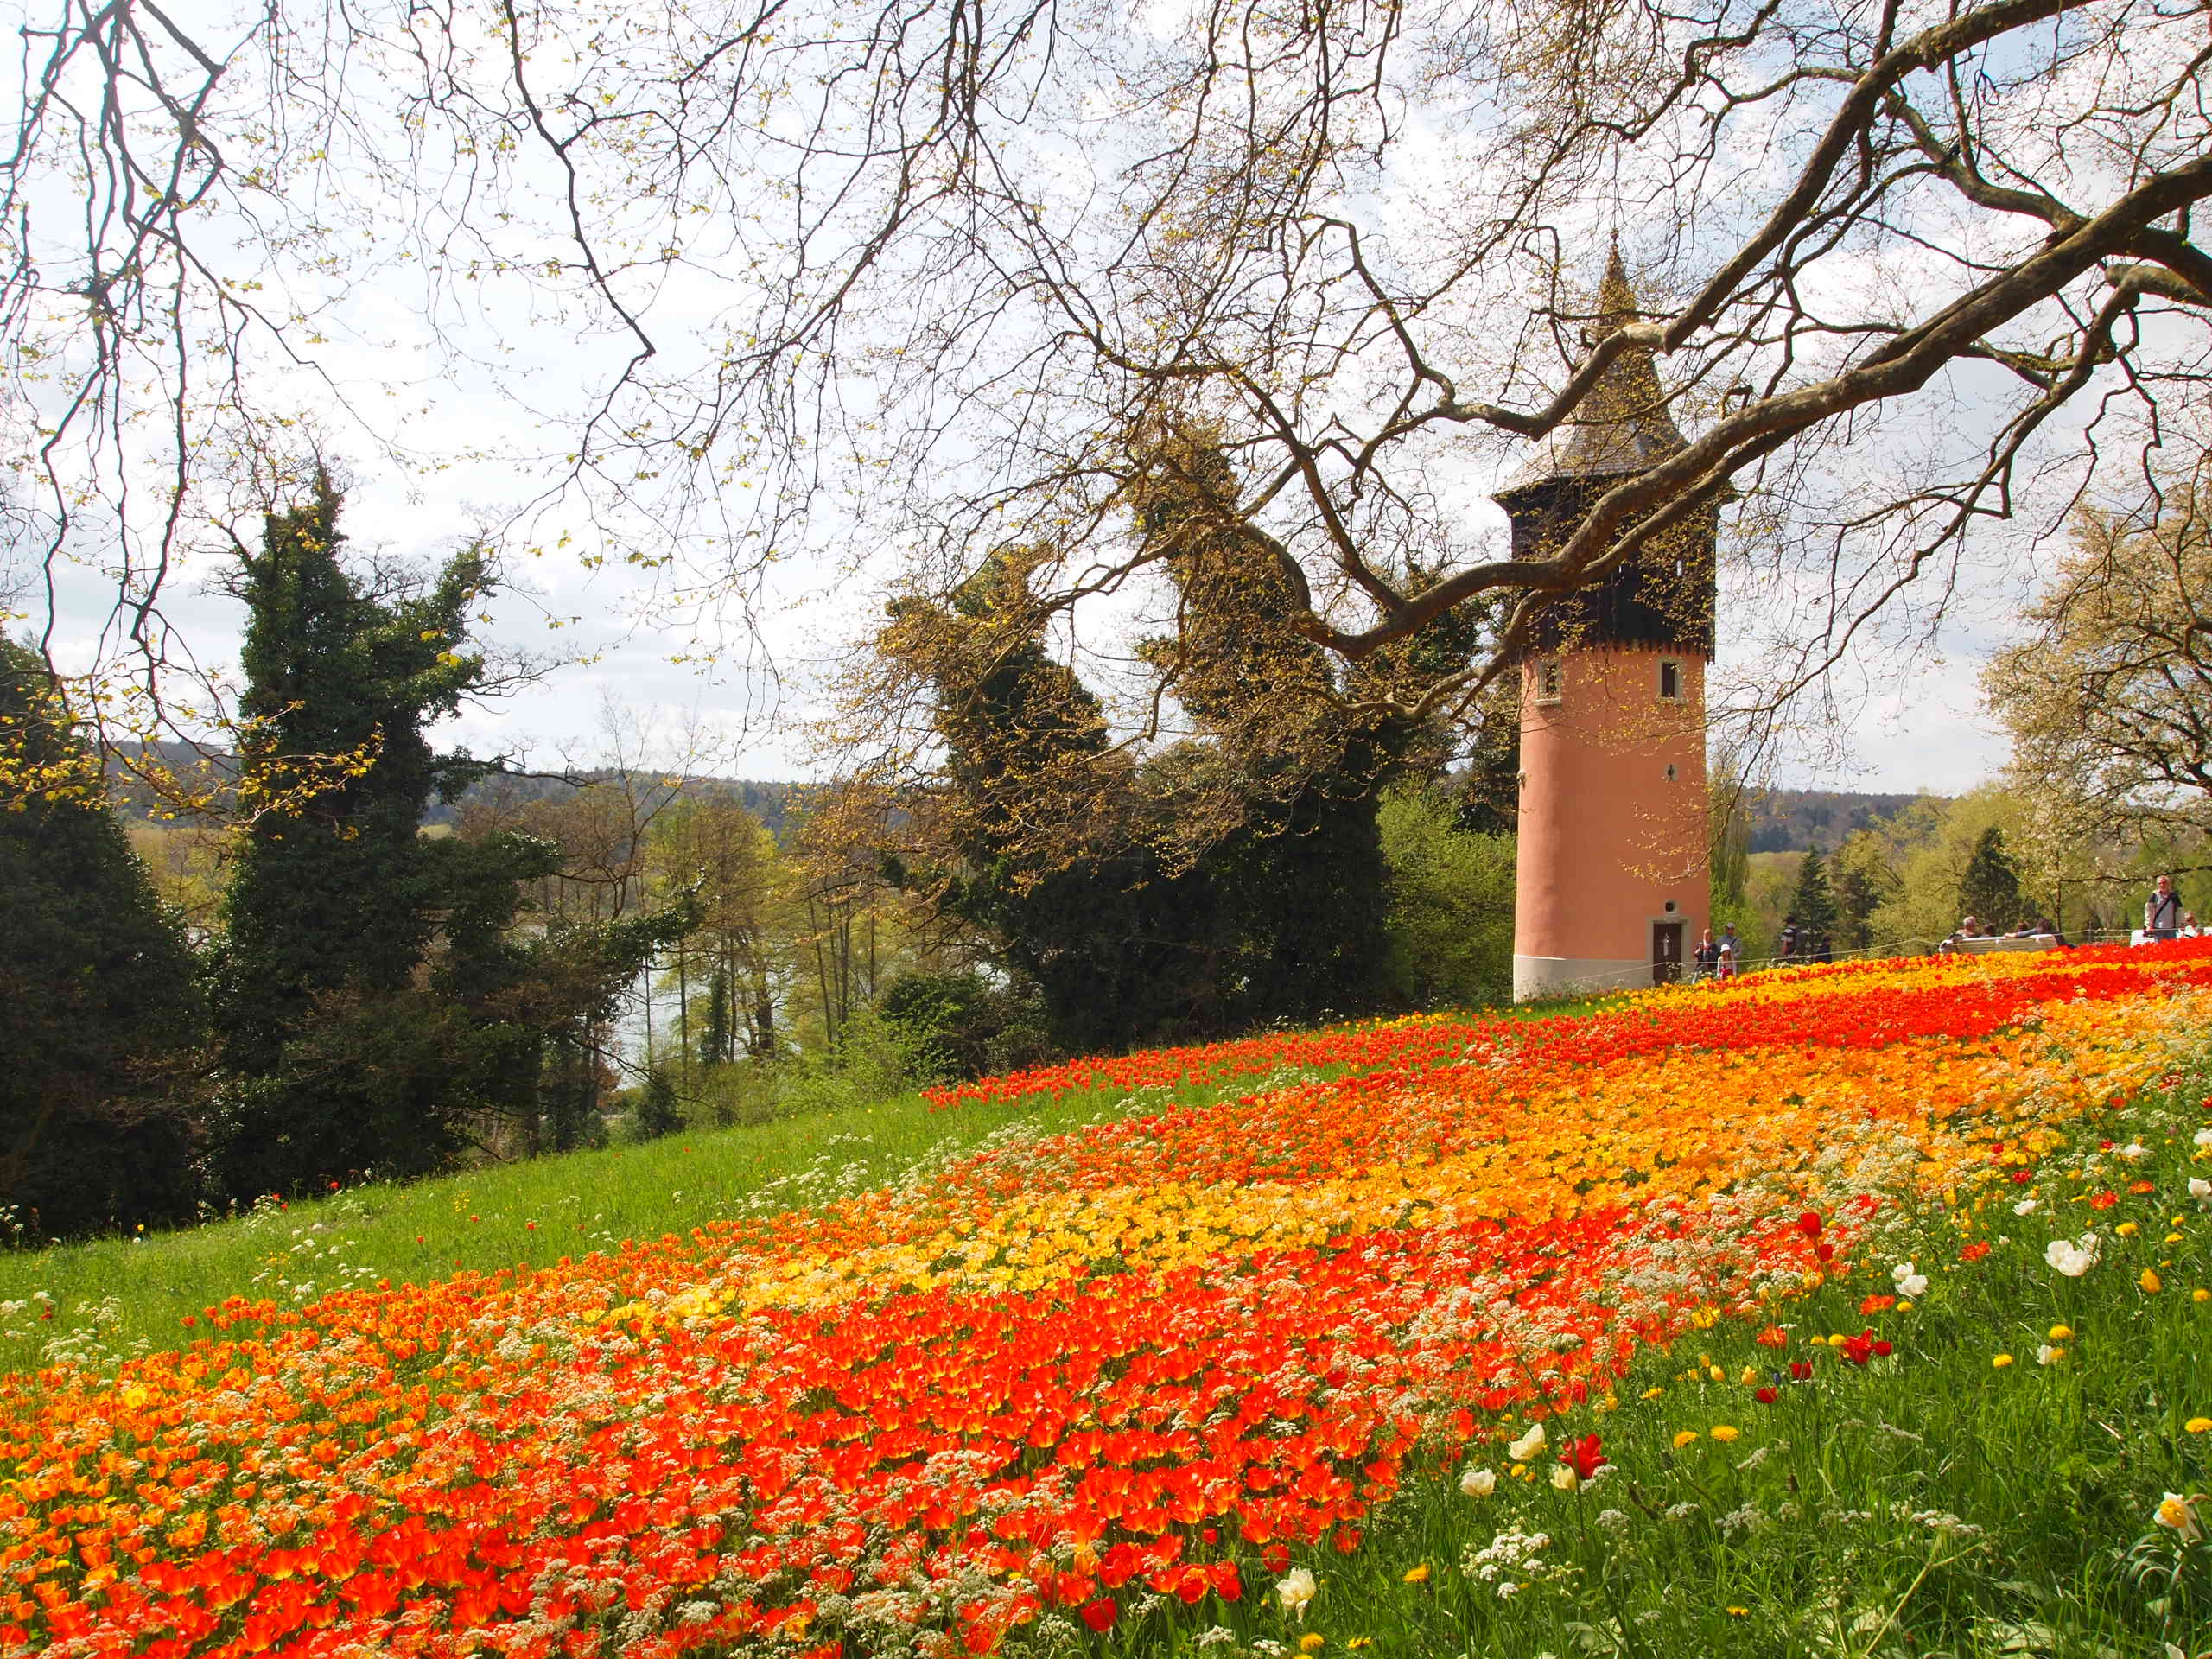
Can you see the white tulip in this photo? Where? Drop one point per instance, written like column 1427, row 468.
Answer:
column 1295, row 1589
column 1909, row 1283
column 1478, row 1483
column 1528, row 1446
column 2071, row 1259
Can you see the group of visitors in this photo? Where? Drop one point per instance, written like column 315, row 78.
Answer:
column 2163, row 917
column 1721, row 957
column 1970, row 927
column 1717, row 958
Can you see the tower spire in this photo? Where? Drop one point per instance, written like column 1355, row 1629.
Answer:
column 1615, row 299
column 1622, row 425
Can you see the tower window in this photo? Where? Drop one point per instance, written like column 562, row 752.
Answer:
column 1548, row 680
column 1670, row 681
column 1670, row 778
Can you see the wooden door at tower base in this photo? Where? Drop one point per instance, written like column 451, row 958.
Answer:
column 1666, row 952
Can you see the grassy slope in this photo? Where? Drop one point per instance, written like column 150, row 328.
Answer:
column 126, row 1294
column 534, row 1211
column 1930, row 1502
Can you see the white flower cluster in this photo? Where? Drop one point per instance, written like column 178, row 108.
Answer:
column 1513, row 1562
column 1748, row 1519
column 1944, row 1522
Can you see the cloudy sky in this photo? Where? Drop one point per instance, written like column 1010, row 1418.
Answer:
column 1902, row 719
column 418, row 409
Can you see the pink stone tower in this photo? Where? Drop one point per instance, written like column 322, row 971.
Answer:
column 1612, row 879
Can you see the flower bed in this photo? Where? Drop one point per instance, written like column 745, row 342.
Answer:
column 1151, row 1358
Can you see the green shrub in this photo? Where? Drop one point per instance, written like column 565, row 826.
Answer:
column 1450, row 921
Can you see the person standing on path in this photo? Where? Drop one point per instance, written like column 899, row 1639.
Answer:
column 2162, row 910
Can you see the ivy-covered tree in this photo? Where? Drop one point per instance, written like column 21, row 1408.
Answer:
column 99, row 994
column 383, row 999
column 375, row 1005
column 1236, row 875
column 332, row 905
column 1288, row 773
column 1039, row 816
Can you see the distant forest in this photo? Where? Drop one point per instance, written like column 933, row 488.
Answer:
column 1792, row 820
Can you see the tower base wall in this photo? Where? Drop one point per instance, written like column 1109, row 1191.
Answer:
column 1611, row 857
column 1541, row 976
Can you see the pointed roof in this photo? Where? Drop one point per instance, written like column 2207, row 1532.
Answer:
column 1622, row 425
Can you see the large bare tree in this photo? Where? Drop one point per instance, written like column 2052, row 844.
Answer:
column 907, row 280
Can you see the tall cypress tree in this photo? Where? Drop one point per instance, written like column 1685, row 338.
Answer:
column 98, row 992
column 334, row 901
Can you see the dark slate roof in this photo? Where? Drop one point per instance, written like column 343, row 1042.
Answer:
column 1622, row 425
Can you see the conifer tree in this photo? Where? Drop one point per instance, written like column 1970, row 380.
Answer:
column 1812, row 901
column 99, row 993
column 1989, row 890
column 1858, row 891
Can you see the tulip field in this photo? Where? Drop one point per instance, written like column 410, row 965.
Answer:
column 1857, row 1310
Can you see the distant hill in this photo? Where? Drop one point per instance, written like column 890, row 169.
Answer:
column 1782, row 820
column 1791, row 820
column 774, row 803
